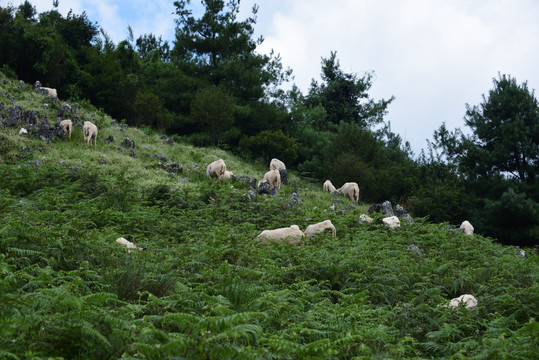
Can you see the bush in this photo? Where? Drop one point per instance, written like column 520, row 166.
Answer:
column 272, row 144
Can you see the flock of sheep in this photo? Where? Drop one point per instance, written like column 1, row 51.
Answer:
column 292, row 234
column 89, row 130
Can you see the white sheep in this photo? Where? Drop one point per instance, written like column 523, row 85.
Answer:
column 291, row 235
column 273, row 177
column 67, row 125
column 350, row 190
column 466, row 227
column 364, row 218
column 216, row 169
column 228, row 174
column 276, row 164
column 468, row 300
column 49, row 91
column 128, row 244
column 328, row 186
column 392, row 222
column 89, row 131
column 319, row 228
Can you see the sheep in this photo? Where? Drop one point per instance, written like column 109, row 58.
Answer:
column 48, row 91
column 89, row 131
column 276, row 164
column 320, row 227
column 364, row 218
column 351, row 190
column 228, row 174
column 273, row 177
column 291, row 235
column 328, row 186
column 128, row 244
column 217, row 169
column 67, row 125
column 466, row 227
column 468, row 300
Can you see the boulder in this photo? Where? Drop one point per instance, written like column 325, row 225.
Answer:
column 293, row 200
column 284, row 176
column 384, row 208
column 14, row 116
column 128, row 143
column 403, row 214
column 392, row 222
column 264, row 188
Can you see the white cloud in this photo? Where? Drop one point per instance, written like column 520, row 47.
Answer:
column 434, row 56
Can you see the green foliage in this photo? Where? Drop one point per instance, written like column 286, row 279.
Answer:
column 269, row 144
column 213, row 109
column 342, row 96
column 505, row 132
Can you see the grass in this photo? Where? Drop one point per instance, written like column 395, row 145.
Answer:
column 205, row 288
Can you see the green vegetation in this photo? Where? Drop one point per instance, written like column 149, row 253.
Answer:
column 205, row 288
column 212, row 88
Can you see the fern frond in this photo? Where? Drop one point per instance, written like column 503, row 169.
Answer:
column 88, row 331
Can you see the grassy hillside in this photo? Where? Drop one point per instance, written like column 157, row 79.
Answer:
column 204, row 288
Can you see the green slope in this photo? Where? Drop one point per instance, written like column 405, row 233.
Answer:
column 205, row 288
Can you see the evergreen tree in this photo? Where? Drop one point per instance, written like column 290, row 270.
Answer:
column 505, row 135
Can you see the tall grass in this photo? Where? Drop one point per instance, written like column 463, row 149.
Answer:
column 204, row 288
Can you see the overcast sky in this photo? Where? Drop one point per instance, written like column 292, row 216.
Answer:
column 434, row 56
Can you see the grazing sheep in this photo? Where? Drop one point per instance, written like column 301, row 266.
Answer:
column 319, row 228
column 328, row 186
column 217, row 169
column 351, row 190
column 363, row 218
column 392, row 222
column 228, row 174
column 276, row 164
column 291, row 235
column 49, row 91
column 468, row 300
column 466, row 227
column 128, row 244
column 273, row 177
column 89, row 130
column 67, row 125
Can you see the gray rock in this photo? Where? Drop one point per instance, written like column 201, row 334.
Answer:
column 128, row 143
column 385, row 208
column 26, row 149
column 15, row 114
column 133, row 154
column 173, row 167
column 274, row 191
column 64, row 111
column 170, row 142
column 293, row 201
column 415, row 249
column 284, row 176
column 403, row 214
column 264, row 188
column 164, row 137
column 110, row 139
column 160, row 157
column 251, row 195
column 37, row 84
column 252, row 182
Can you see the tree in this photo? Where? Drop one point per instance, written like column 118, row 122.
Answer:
column 505, row 132
column 220, row 49
column 345, row 98
column 213, row 109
